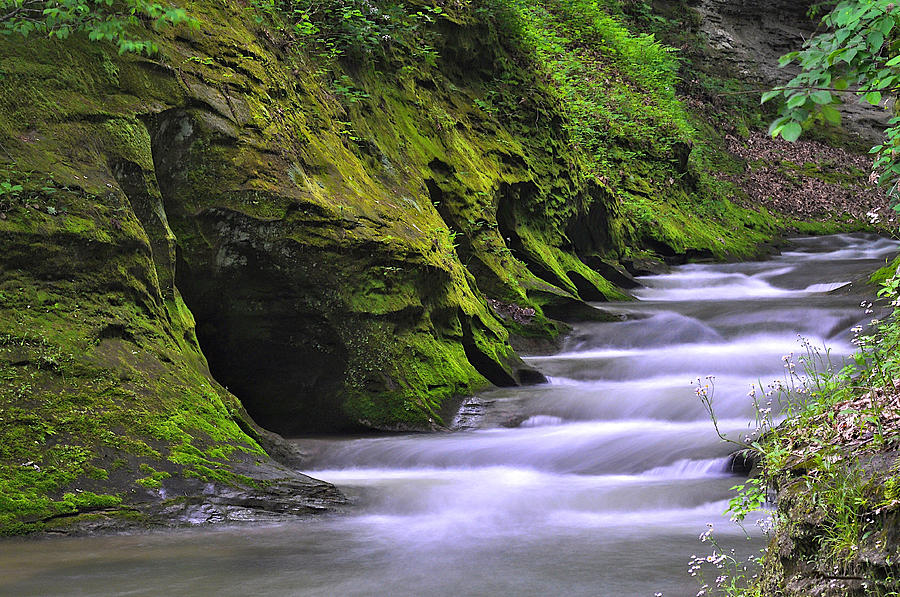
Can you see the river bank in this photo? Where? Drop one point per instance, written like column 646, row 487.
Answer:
column 824, row 454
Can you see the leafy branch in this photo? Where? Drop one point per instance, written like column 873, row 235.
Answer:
column 781, row 89
column 857, row 53
column 102, row 20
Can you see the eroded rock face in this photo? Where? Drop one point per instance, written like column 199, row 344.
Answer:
column 223, row 202
column 110, row 416
column 332, row 298
column 751, row 36
column 800, row 561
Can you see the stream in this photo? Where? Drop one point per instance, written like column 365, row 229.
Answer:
column 597, row 483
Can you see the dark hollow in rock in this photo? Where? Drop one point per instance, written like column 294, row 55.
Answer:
column 743, row 462
column 283, row 362
column 530, row 377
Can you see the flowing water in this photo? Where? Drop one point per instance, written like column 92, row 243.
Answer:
column 597, row 483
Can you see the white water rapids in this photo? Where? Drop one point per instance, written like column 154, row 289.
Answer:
column 595, row 484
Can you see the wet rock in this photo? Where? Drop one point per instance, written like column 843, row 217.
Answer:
column 645, row 266
column 613, row 272
column 743, row 462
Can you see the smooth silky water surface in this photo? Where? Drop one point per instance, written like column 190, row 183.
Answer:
column 597, row 483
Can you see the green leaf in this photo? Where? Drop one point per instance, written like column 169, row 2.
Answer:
column 787, row 59
column 886, row 82
column 796, row 100
column 768, row 95
column 821, row 97
column 831, row 115
column 777, row 125
column 873, row 97
column 841, row 84
column 875, row 41
column 834, row 56
column 799, row 115
column 791, row 131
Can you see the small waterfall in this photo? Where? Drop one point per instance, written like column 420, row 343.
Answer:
column 616, row 446
column 596, row 483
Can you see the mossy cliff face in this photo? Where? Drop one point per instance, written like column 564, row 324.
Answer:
column 319, row 242
column 106, row 399
column 322, row 240
column 342, row 242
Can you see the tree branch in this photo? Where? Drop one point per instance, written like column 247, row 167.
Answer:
column 832, row 89
column 25, row 7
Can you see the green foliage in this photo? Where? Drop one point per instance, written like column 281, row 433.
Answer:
column 835, row 420
column 117, row 21
column 749, row 497
column 356, row 28
column 8, row 189
column 618, row 87
column 856, row 55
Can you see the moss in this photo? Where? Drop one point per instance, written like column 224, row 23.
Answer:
column 883, row 274
column 154, row 478
column 840, row 223
column 440, row 366
column 827, row 172
column 719, row 230
column 334, row 223
column 98, row 369
column 65, row 416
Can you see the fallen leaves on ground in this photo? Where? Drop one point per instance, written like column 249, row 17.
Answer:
column 521, row 315
column 857, row 421
column 788, row 178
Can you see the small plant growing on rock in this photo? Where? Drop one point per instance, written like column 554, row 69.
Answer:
column 820, row 435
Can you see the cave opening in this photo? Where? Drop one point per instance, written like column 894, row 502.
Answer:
column 286, row 365
column 257, row 323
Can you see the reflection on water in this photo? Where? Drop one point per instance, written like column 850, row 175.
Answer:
column 597, row 483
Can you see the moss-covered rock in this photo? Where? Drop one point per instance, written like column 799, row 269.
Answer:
column 317, row 240
column 343, row 241
column 836, row 539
